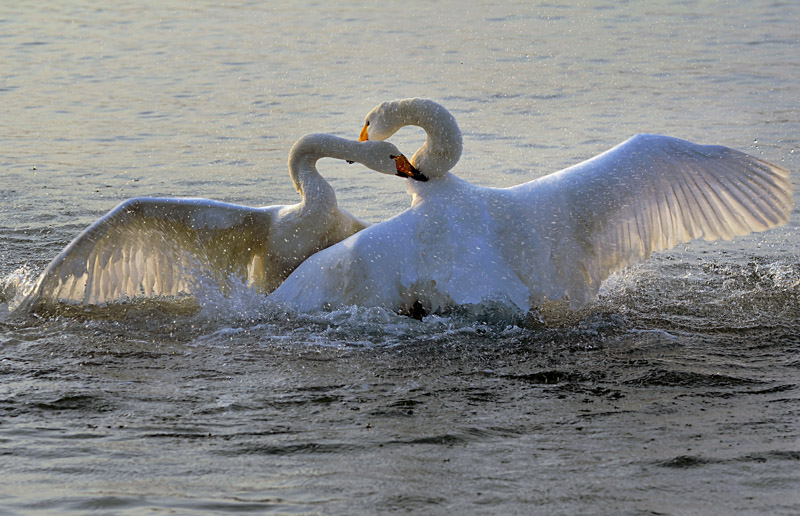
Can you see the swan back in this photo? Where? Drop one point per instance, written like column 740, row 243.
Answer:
column 442, row 148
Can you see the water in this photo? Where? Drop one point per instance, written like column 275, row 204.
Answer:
column 677, row 392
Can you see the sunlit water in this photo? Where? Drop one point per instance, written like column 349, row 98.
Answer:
column 677, row 392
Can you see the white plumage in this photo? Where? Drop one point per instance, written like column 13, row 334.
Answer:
column 555, row 237
column 166, row 247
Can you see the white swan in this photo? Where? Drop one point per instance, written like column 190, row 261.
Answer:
column 554, row 237
column 148, row 246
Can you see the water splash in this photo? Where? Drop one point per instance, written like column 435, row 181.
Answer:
column 665, row 295
column 718, row 294
column 17, row 285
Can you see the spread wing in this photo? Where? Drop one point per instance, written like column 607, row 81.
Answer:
column 649, row 194
column 149, row 246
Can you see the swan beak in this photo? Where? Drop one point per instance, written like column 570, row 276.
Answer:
column 364, row 136
column 406, row 169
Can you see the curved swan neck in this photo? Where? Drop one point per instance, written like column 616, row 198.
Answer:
column 442, row 148
column 316, row 192
column 308, row 182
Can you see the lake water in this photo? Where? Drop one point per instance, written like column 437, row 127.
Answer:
column 677, row 392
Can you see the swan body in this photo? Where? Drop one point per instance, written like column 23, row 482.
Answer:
column 159, row 246
column 556, row 237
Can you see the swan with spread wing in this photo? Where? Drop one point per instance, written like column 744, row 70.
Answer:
column 161, row 246
column 559, row 236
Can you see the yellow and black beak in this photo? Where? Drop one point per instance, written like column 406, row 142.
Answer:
column 364, row 136
column 405, row 168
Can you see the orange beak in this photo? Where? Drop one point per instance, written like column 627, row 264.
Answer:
column 364, row 136
column 406, row 169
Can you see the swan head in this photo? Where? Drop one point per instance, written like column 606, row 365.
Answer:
column 386, row 158
column 442, row 148
column 380, row 156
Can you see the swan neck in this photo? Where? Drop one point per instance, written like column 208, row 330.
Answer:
column 316, row 192
column 442, row 148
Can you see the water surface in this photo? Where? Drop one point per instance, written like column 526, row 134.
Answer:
column 677, row 392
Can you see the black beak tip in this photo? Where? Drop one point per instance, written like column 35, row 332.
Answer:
column 419, row 176
column 416, row 176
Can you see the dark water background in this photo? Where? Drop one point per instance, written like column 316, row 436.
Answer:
column 677, row 392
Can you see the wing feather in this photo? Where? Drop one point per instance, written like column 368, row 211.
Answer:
column 150, row 246
column 649, row 194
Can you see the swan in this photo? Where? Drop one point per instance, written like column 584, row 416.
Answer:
column 556, row 237
column 148, row 246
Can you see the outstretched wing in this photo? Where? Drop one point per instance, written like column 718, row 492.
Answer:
column 649, row 194
column 148, row 246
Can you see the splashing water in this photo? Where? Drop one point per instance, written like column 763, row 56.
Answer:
column 677, row 388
